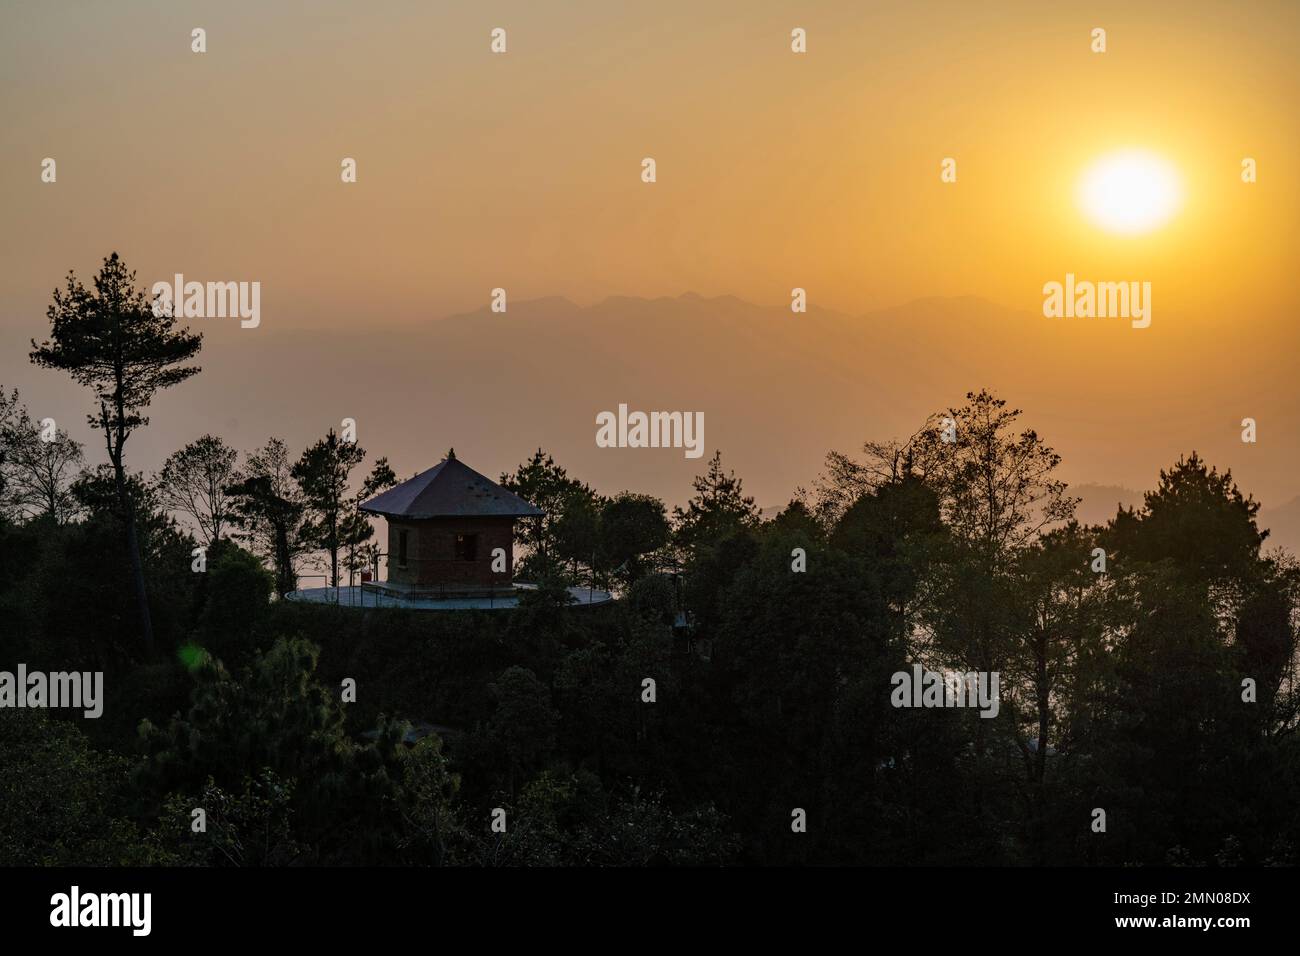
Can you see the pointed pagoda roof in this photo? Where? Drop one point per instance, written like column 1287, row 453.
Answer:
column 449, row 489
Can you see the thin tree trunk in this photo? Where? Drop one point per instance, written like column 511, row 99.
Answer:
column 284, row 562
column 137, row 565
column 127, row 509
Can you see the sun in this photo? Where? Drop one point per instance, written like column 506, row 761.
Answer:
column 1130, row 192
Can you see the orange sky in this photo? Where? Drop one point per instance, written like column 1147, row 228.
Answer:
column 774, row 170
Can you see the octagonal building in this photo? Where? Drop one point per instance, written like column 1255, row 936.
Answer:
column 444, row 526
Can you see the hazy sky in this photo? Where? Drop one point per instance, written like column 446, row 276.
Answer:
column 775, row 170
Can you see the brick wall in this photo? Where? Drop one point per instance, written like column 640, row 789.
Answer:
column 431, row 552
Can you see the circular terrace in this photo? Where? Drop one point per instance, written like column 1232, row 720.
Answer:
column 428, row 599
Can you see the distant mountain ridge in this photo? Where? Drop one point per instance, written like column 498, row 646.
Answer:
column 778, row 390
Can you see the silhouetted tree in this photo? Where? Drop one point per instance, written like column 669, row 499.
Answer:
column 267, row 506
column 195, row 481
column 323, row 473
column 356, row 529
column 546, row 485
column 631, row 527
column 718, row 508
column 36, row 474
column 110, row 340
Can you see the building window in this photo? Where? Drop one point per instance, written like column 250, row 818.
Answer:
column 466, row 547
column 401, row 549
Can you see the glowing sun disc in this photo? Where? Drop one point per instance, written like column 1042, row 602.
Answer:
column 1130, row 192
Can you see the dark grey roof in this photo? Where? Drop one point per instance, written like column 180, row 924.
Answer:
column 449, row 489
